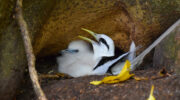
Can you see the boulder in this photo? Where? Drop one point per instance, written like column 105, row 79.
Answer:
column 12, row 56
column 167, row 53
column 122, row 20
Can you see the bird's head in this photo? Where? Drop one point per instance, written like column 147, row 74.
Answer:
column 79, row 45
column 76, row 46
column 103, row 46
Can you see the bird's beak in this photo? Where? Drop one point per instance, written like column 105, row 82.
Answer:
column 90, row 32
column 86, row 39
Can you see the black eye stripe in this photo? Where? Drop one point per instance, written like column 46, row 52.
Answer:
column 103, row 41
column 76, row 51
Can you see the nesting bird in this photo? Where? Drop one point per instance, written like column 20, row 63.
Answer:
column 80, row 59
column 116, row 59
column 77, row 60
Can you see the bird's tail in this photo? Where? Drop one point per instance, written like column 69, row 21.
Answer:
column 132, row 54
column 132, row 51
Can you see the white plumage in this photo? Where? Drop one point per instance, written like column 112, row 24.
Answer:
column 79, row 59
column 79, row 63
column 104, row 47
column 131, row 56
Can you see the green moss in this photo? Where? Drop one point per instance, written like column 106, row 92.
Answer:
column 6, row 9
column 168, row 10
column 36, row 14
column 11, row 52
column 12, row 55
column 170, row 46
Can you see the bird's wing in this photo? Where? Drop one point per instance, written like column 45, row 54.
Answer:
column 102, row 69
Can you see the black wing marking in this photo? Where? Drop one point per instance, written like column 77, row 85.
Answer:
column 118, row 52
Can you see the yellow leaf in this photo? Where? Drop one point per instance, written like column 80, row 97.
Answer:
column 151, row 97
column 125, row 69
column 110, row 79
column 96, row 82
column 122, row 76
column 125, row 73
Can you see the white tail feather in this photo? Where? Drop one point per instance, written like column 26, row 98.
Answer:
column 138, row 60
column 132, row 51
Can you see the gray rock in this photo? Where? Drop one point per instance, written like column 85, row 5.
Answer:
column 167, row 53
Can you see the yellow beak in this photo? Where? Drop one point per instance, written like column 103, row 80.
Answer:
column 85, row 38
column 90, row 32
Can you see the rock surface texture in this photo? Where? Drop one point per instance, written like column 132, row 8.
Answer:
column 53, row 24
column 167, row 53
column 81, row 89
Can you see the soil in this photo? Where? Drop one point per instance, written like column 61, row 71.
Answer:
column 66, row 88
column 166, row 88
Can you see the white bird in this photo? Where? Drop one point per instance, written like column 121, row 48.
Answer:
column 116, row 59
column 110, row 57
column 79, row 59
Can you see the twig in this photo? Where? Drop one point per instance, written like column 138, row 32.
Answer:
column 54, row 76
column 29, row 51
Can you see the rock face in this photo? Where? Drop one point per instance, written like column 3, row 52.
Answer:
column 53, row 24
column 122, row 20
column 12, row 55
column 167, row 53
column 12, row 64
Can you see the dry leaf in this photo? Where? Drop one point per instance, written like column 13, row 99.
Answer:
column 140, row 78
column 163, row 72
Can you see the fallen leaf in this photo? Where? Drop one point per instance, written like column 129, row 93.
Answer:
column 53, row 76
column 163, row 72
column 151, row 97
column 96, row 82
column 140, row 78
column 122, row 76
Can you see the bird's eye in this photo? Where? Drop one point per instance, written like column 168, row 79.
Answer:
column 104, row 42
column 75, row 51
